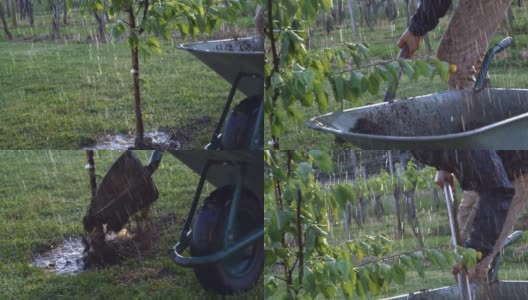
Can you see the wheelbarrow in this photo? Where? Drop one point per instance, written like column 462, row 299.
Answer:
column 240, row 62
column 225, row 233
column 464, row 290
column 482, row 118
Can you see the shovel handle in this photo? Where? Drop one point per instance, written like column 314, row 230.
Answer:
column 404, row 52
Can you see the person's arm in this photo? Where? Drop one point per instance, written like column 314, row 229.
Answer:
column 427, row 15
column 425, row 19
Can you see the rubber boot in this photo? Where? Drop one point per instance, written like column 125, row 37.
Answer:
column 489, row 220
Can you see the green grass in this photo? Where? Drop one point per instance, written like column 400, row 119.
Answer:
column 68, row 94
column 507, row 71
column 43, row 197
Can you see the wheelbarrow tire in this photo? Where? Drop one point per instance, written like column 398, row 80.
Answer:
column 241, row 271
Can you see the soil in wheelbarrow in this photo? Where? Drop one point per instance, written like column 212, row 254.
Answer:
column 73, row 256
column 240, row 45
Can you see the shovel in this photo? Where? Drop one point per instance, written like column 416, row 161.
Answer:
column 126, row 189
column 463, row 282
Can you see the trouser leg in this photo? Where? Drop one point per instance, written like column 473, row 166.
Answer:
column 482, row 171
column 467, row 36
column 466, row 213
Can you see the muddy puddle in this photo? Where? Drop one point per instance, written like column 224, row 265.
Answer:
column 70, row 257
column 158, row 139
column 62, row 259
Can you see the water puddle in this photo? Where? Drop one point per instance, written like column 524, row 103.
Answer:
column 126, row 141
column 62, row 259
column 106, row 249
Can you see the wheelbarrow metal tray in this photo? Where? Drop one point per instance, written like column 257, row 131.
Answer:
column 230, row 57
column 225, row 174
column 504, row 290
column 489, row 119
column 126, row 189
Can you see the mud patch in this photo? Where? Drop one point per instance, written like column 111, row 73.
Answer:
column 186, row 134
column 154, row 140
column 66, row 258
column 73, row 255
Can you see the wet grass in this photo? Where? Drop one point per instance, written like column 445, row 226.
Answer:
column 43, row 196
column 68, row 94
column 509, row 70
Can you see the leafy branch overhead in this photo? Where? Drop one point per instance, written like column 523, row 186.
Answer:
column 309, row 77
column 299, row 214
column 161, row 18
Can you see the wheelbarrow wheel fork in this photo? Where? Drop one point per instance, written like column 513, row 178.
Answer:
column 216, row 142
column 211, row 232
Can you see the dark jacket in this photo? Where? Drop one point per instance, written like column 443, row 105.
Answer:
column 427, row 15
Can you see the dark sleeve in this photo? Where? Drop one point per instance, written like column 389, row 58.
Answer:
column 427, row 15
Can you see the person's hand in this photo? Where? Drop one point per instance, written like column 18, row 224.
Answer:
column 443, row 177
column 476, row 274
column 412, row 41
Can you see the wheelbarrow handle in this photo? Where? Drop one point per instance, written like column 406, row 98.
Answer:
column 487, row 61
column 504, row 44
column 154, row 161
column 443, row 178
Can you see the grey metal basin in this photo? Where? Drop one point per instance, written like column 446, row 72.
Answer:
column 503, row 290
column 230, row 57
column 224, row 174
column 491, row 119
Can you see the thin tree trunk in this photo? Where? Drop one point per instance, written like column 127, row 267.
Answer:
column 2, row 16
column 135, row 74
column 55, row 20
column 412, row 217
column 352, row 21
column 29, row 10
column 91, row 171
column 378, row 207
column 396, row 196
column 13, row 13
column 436, row 199
column 508, row 21
column 65, row 16
column 101, row 26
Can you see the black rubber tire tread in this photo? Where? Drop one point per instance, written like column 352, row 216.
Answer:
column 208, row 235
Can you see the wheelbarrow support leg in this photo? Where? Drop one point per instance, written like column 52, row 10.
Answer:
column 235, row 204
column 184, row 239
column 463, row 282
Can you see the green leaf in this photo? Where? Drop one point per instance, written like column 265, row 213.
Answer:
column 339, row 88
column 283, row 219
column 373, row 83
column 407, row 68
column 398, row 274
column 343, row 193
column 306, row 172
column 117, row 30
column 326, row 4
column 322, row 161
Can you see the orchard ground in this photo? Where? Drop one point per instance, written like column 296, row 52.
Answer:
column 73, row 92
column 43, row 197
column 508, row 70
